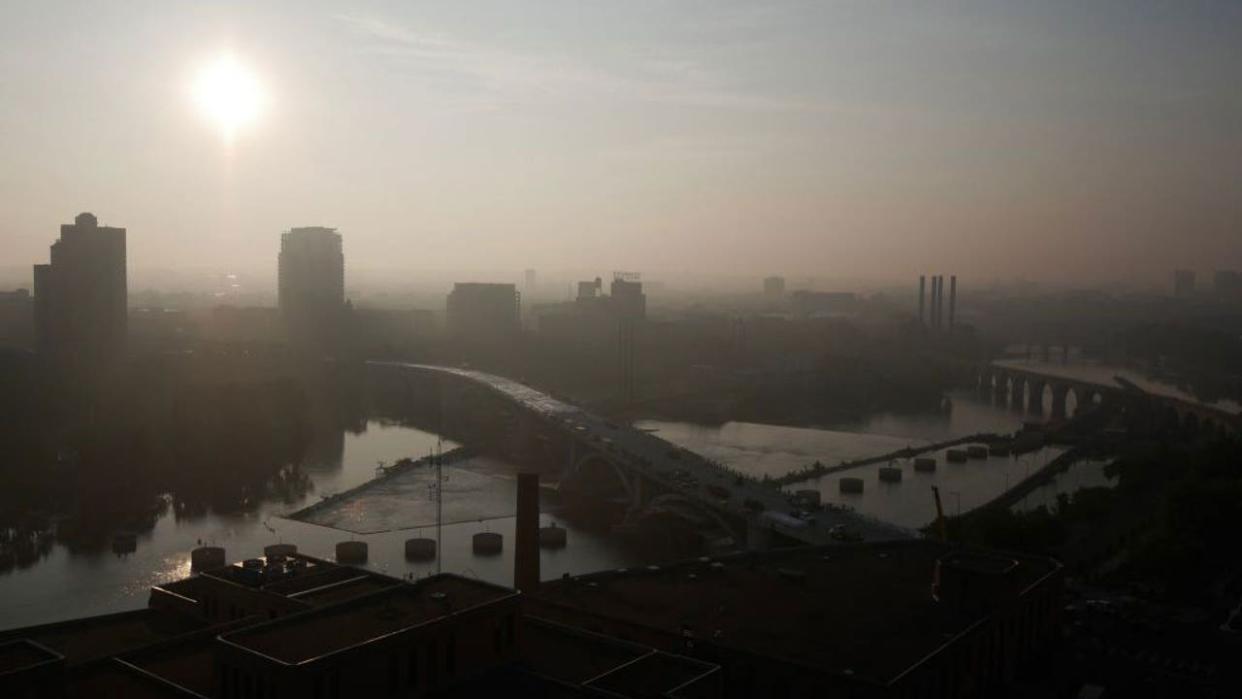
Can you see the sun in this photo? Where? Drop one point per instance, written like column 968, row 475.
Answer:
column 228, row 94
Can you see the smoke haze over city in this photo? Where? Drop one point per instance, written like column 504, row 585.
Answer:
column 698, row 349
column 858, row 140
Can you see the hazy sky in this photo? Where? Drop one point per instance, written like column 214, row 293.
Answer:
column 1052, row 140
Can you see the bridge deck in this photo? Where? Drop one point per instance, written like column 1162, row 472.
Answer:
column 1106, row 377
column 674, row 468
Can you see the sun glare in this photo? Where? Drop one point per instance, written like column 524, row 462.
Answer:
column 228, row 94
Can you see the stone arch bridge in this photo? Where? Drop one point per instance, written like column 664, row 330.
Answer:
column 1029, row 387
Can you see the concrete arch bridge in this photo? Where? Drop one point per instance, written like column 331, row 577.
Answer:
column 595, row 456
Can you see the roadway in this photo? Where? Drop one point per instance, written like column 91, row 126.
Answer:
column 678, row 470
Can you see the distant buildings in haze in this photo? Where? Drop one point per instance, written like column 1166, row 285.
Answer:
column 81, row 295
column 774, row 286
column 628, row 300
column 1228, row 283
column 1183, row 283
column 479, row 313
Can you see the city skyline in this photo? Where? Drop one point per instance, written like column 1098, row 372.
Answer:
column 732, row 139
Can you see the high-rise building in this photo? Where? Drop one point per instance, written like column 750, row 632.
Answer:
column 312, row 283
column 483, row 312
column 530, row 282
column 774, row 286
column 628, row 300
column 1183, row 283
column 81, row 295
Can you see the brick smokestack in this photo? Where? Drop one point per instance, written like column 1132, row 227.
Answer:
column 922, row 295
column 952, row 299
column 526, row 547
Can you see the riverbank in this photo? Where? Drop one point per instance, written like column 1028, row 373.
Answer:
column 1038, row 479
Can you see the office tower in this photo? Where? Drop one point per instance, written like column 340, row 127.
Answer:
column 530, row 282
column 81, row 295
column 629, row 305
column 774, row 286
column 312, row 283
column 479, row 313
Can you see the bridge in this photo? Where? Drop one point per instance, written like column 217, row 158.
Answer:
column 594, row 455
column 1161, row 408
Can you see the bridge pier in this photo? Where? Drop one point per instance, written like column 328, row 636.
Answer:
column 1060, row 392
column 1018, row 398
column 636, row 493
column 1035, row 405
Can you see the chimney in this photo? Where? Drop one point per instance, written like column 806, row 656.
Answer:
column 922, row 294
column 935, row 293
column 526, row 548
column 952, row 299
column 940, row 302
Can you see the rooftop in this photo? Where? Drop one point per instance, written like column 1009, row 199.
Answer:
column 654, row 675
column 302, row 637
column 81, row 640
column 187, row 661
column 21, row 654
column 571, row 655
column 113, row 678
column 338, row 591
column 863, row 609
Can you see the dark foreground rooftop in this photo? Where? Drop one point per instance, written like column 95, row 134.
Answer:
column 319, row 632
column 82, row 640
column 864, row 610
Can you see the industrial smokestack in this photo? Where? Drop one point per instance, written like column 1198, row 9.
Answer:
column 952, row 299
column 935, row 295
column 940, row 302
column 526, row 548
column 922, row 293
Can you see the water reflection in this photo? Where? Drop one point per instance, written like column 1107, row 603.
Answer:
column 773, row 450
column 1082, row 474
column 68, row 568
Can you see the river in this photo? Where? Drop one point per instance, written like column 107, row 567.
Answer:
column 774, row 450
column 67, row 584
